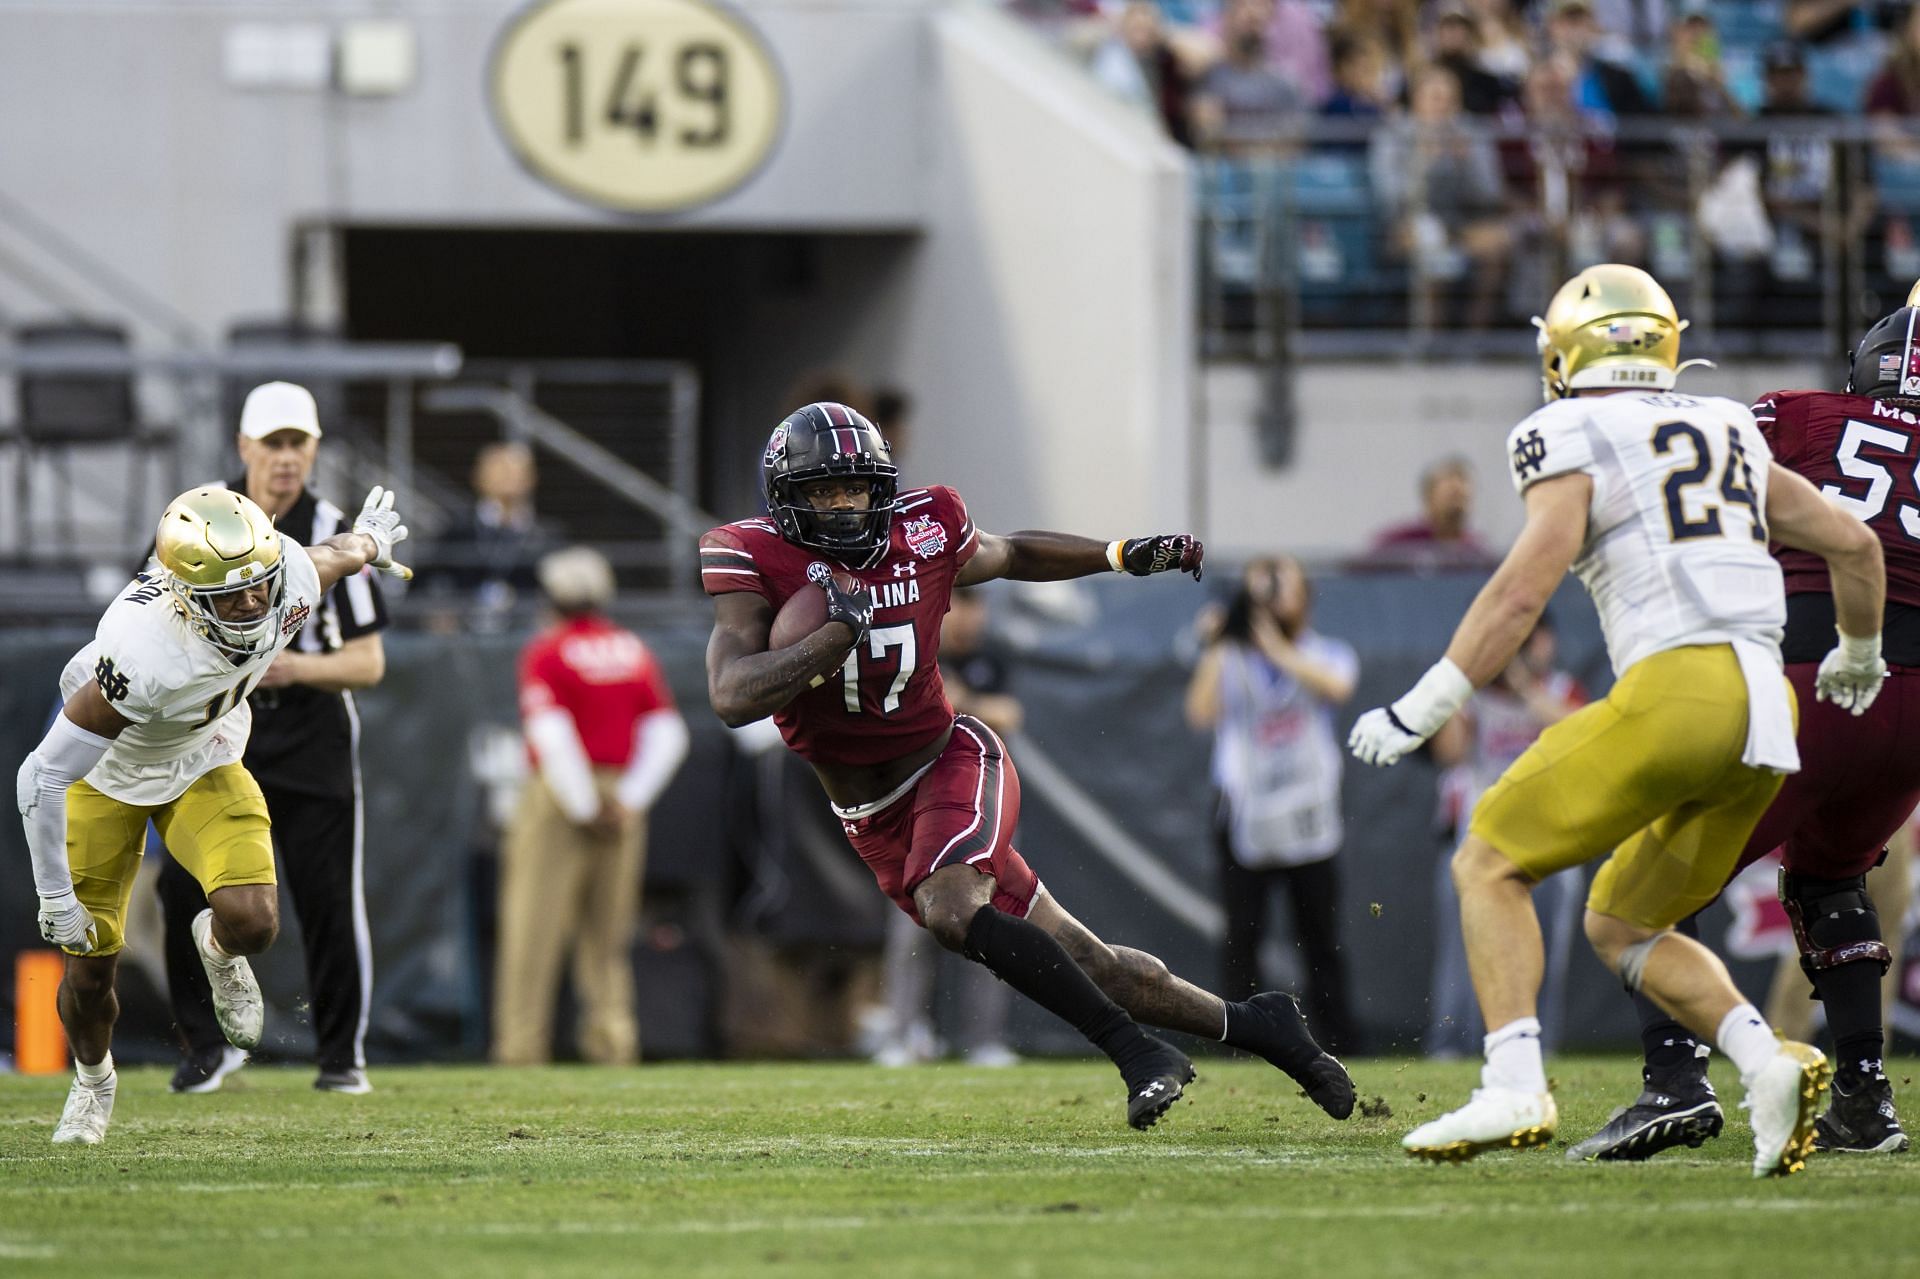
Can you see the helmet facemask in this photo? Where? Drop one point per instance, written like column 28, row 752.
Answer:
column 236, row 638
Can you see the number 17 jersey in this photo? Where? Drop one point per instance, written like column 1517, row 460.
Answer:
column 887, row 700
column 1676, row 542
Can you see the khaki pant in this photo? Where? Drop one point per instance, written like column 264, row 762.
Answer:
column 563, row 890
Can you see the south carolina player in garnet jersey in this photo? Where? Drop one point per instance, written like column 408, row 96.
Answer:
column 1859, row 778
column 929, row 799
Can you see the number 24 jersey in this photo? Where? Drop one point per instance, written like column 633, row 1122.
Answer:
column 887, row 700
column 1676, row 545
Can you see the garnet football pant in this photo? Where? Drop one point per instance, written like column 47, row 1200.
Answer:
column 318, row 840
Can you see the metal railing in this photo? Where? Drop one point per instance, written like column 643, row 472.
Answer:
column 1341, row 238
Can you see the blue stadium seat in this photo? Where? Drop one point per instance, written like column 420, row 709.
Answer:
column 1748, row 23
column 1897, row 183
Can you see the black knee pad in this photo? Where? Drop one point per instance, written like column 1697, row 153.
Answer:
column 1834, row 922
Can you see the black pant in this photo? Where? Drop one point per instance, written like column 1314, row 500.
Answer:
column 1315, row 892
column 317, row 839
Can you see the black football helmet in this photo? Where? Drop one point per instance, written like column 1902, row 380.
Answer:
column 816, row 442
column 1886, row 363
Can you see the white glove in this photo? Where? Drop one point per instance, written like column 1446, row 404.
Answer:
column 65, row 922
column 379, row 521
column 1850, row 676
column 1386, row 733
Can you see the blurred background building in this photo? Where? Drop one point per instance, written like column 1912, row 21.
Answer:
column 1248, row 267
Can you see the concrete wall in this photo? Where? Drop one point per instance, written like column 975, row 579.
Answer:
column 1367, row 428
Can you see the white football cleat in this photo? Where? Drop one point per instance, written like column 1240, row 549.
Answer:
column 1493, row 1119
column 89, row 1108
column 237, row 1005
column 1781, row 1099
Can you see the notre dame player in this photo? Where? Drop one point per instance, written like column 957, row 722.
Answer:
column 153, row 728
column 1663, row 504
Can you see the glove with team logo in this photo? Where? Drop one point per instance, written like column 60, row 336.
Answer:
column 1144, row 556
column 1387, row 733
column 65, row 922
column 853, row 606
column 379, row 521
column 1850, row 676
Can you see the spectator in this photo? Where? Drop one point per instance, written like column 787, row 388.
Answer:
column 1600, row 85
column 1895, row 91
column 1503, row 37
column 1625, row 27
column 1296, row 47
column 1696, row 83
column 1137, row 64
column 976, row 682
column 1566, row 176
column 1396, row 24
column 1456, row 47
column 1797, row 164
column 489, row 553
column 1360, row 89
column 1825, row 22
column 892, row 413
column 1474, row 748
column 1267, row 687
column 1440, row 539
column 1243, row 105
column 605, row 740
column 1439, row 174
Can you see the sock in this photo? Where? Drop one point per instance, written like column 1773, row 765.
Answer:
column 95, row 1074
column 1027, row 958
column 1851, row 994
column 1746, row 1039
column 1513, row 1057
column 1667, row 1045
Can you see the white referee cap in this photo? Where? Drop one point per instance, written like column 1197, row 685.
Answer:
column 279, row 406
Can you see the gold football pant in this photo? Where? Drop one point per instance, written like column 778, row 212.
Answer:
column 217, row 830
column 564, row 893
column 1652, row 774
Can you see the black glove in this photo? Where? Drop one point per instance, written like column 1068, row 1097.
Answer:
column 1142, row 556
column 853, row 607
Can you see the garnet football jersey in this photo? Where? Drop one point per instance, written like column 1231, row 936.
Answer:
column 887, row 700
column 1863, row 454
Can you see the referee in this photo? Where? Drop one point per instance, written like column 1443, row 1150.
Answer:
column 305, row 753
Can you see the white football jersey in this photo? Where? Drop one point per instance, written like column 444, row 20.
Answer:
column 1676, row 547
column 186, row 698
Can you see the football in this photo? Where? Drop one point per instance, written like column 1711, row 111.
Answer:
column 804, row 613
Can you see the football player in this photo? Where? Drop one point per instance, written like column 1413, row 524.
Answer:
column 1663, row 504
column 1859, row 781
column 154, row 724
column 929, row 799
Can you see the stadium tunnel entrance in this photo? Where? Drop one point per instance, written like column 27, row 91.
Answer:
column 753, row 313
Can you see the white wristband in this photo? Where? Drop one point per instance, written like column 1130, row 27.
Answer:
column 1113, row 556
column 1859, row 653
column 1430, row 703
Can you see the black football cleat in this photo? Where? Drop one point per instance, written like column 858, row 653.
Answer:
column 203, row 1070
column 1155, row 1080
column 1678, row 1109
column 1289, row 1045
column 1862, row 1122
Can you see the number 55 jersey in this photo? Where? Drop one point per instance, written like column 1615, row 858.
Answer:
column 1864, row 455
column 887, row 700
column 1676, row 546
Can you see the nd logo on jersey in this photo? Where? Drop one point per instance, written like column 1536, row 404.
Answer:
column 113, row 685
column 1529, row 454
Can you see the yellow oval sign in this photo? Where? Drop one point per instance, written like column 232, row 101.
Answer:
column 645, row 106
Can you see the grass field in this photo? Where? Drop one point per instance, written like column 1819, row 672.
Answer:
column 848, row 1170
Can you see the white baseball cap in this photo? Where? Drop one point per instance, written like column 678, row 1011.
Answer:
column 279, row 406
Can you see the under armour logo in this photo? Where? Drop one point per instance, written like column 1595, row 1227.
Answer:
column 1153, row 1088
column 113, row 685
column 906, row 568
column 1529, row 454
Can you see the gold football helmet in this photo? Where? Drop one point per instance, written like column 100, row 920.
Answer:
column 1913, row 294
column 1610, row 326
column 214, row 544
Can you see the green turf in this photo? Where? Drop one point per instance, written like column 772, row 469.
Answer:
column 845, row 1170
